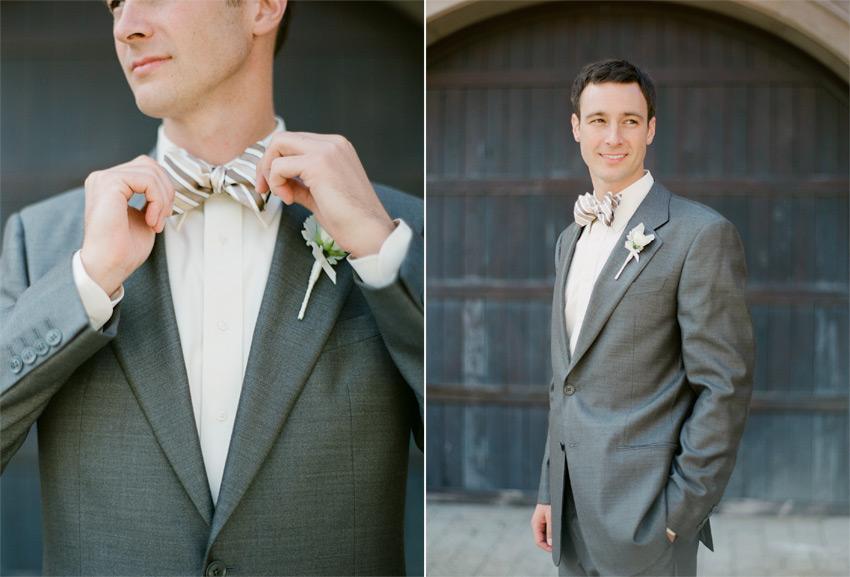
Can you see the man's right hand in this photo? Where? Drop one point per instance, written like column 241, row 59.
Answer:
column 118, row 238
column 541, row 527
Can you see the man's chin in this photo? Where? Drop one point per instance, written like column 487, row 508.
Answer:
column 152, row 106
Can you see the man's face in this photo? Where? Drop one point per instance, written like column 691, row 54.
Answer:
column 176, row 53
column 613, row 132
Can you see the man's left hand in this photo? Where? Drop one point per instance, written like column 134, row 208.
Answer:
column 671, row 535
column 323, row 173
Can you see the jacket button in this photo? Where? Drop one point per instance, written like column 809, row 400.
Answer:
column 216, row 569
column 28, row 355
column 53, row 337
column 41, row 347
column 16, row 364
column 569, row 390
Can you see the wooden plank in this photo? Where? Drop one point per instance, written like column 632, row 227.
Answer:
column 536, row 288
column 793, row 398
column 817, row 186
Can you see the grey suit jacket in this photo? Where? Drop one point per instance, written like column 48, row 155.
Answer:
column 646, row 416
column 316, row 470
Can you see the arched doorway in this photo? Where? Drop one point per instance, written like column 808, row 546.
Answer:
column 747, row 124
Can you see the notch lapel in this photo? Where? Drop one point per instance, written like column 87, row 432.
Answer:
column 283, row 353
column 571, row 236
column 148, row 349
column 653, row 212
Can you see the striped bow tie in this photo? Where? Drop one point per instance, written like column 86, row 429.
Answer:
column 588, row 209
column 195, row 180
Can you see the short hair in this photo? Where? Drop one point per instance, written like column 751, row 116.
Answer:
column 613, row 70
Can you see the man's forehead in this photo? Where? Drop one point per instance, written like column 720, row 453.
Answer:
column 612, row 98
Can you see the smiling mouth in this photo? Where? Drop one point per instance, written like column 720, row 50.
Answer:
column 613, row 156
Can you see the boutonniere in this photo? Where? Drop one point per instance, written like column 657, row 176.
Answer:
column 326, row 253
column 635, row 242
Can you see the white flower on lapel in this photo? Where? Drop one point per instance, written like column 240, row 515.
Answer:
column 635, row 242
column 326, row 253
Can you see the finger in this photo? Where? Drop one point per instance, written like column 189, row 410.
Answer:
column 548, row 518
column 151, row 166
column 161, row 189
column 285, row 144
column 285, row 181
column 134, row 181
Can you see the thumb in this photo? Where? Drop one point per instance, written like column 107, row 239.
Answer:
column 549, row 528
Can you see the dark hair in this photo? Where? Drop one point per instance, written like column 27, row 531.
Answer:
column 613, row 70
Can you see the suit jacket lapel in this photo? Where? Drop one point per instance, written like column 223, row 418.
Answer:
column 566, row 257
column 148, row 349
column 653, row 212
column 283, row 352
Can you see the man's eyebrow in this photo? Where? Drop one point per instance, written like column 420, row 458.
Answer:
column 600, row 113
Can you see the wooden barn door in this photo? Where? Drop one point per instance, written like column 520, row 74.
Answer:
column 746, row 124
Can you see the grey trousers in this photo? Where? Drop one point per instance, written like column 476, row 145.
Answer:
column 679, row 559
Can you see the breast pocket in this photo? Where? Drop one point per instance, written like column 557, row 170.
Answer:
column 647, row 285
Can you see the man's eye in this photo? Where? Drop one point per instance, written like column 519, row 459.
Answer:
column 631, row 121
column 596, row 120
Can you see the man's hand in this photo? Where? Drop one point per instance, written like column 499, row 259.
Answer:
column 671, row 535
column 541, row 527
column 323, row 173
column 118, row 238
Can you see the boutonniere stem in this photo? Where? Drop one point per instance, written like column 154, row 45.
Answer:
column 635, row 243
column 326, row 253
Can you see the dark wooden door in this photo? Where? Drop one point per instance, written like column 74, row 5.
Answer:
column 747, row 124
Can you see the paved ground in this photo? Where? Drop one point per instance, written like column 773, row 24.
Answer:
column 467, row 539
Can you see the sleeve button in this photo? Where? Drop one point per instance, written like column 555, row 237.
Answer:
column 41, row 347
column 53, row 337
column 16, row 364
column 28, row 355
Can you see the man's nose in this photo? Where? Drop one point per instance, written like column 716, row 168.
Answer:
column 612, row 135
column 131, row 22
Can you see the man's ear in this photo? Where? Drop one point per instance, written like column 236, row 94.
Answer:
column 268, row 15
column 650, row 133
column 575, row 122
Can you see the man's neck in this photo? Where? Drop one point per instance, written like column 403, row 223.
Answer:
column 601, row 187
column 218, row 135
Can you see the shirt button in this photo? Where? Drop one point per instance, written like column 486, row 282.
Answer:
column 569, row 390
column 222, row 326
column 221, row 416
column 53, row 337
column 222, row 239
column 16, row 364
column 28, row 355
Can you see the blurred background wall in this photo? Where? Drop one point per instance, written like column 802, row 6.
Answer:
column 353, row 68
column 752, row 110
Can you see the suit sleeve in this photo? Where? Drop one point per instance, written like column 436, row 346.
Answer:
column 543, row 496
column 398, row 310
column 44, row 336
column 718, row 357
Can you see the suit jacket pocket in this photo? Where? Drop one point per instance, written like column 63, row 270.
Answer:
column 352, row 330
column 647, row 284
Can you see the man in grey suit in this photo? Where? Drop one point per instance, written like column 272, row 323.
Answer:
column 199, row 410
column 652, row 353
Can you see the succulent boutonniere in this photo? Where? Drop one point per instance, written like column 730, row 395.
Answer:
column 326, row 253
column 635, row 242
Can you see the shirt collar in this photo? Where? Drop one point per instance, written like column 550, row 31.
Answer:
column 266, row 216
column 631, row 198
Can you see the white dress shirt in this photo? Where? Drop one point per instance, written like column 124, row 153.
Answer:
column 218, row 263
column 593, row 248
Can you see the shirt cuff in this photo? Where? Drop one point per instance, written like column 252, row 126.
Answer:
column 380, row 270
column 97, row 303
